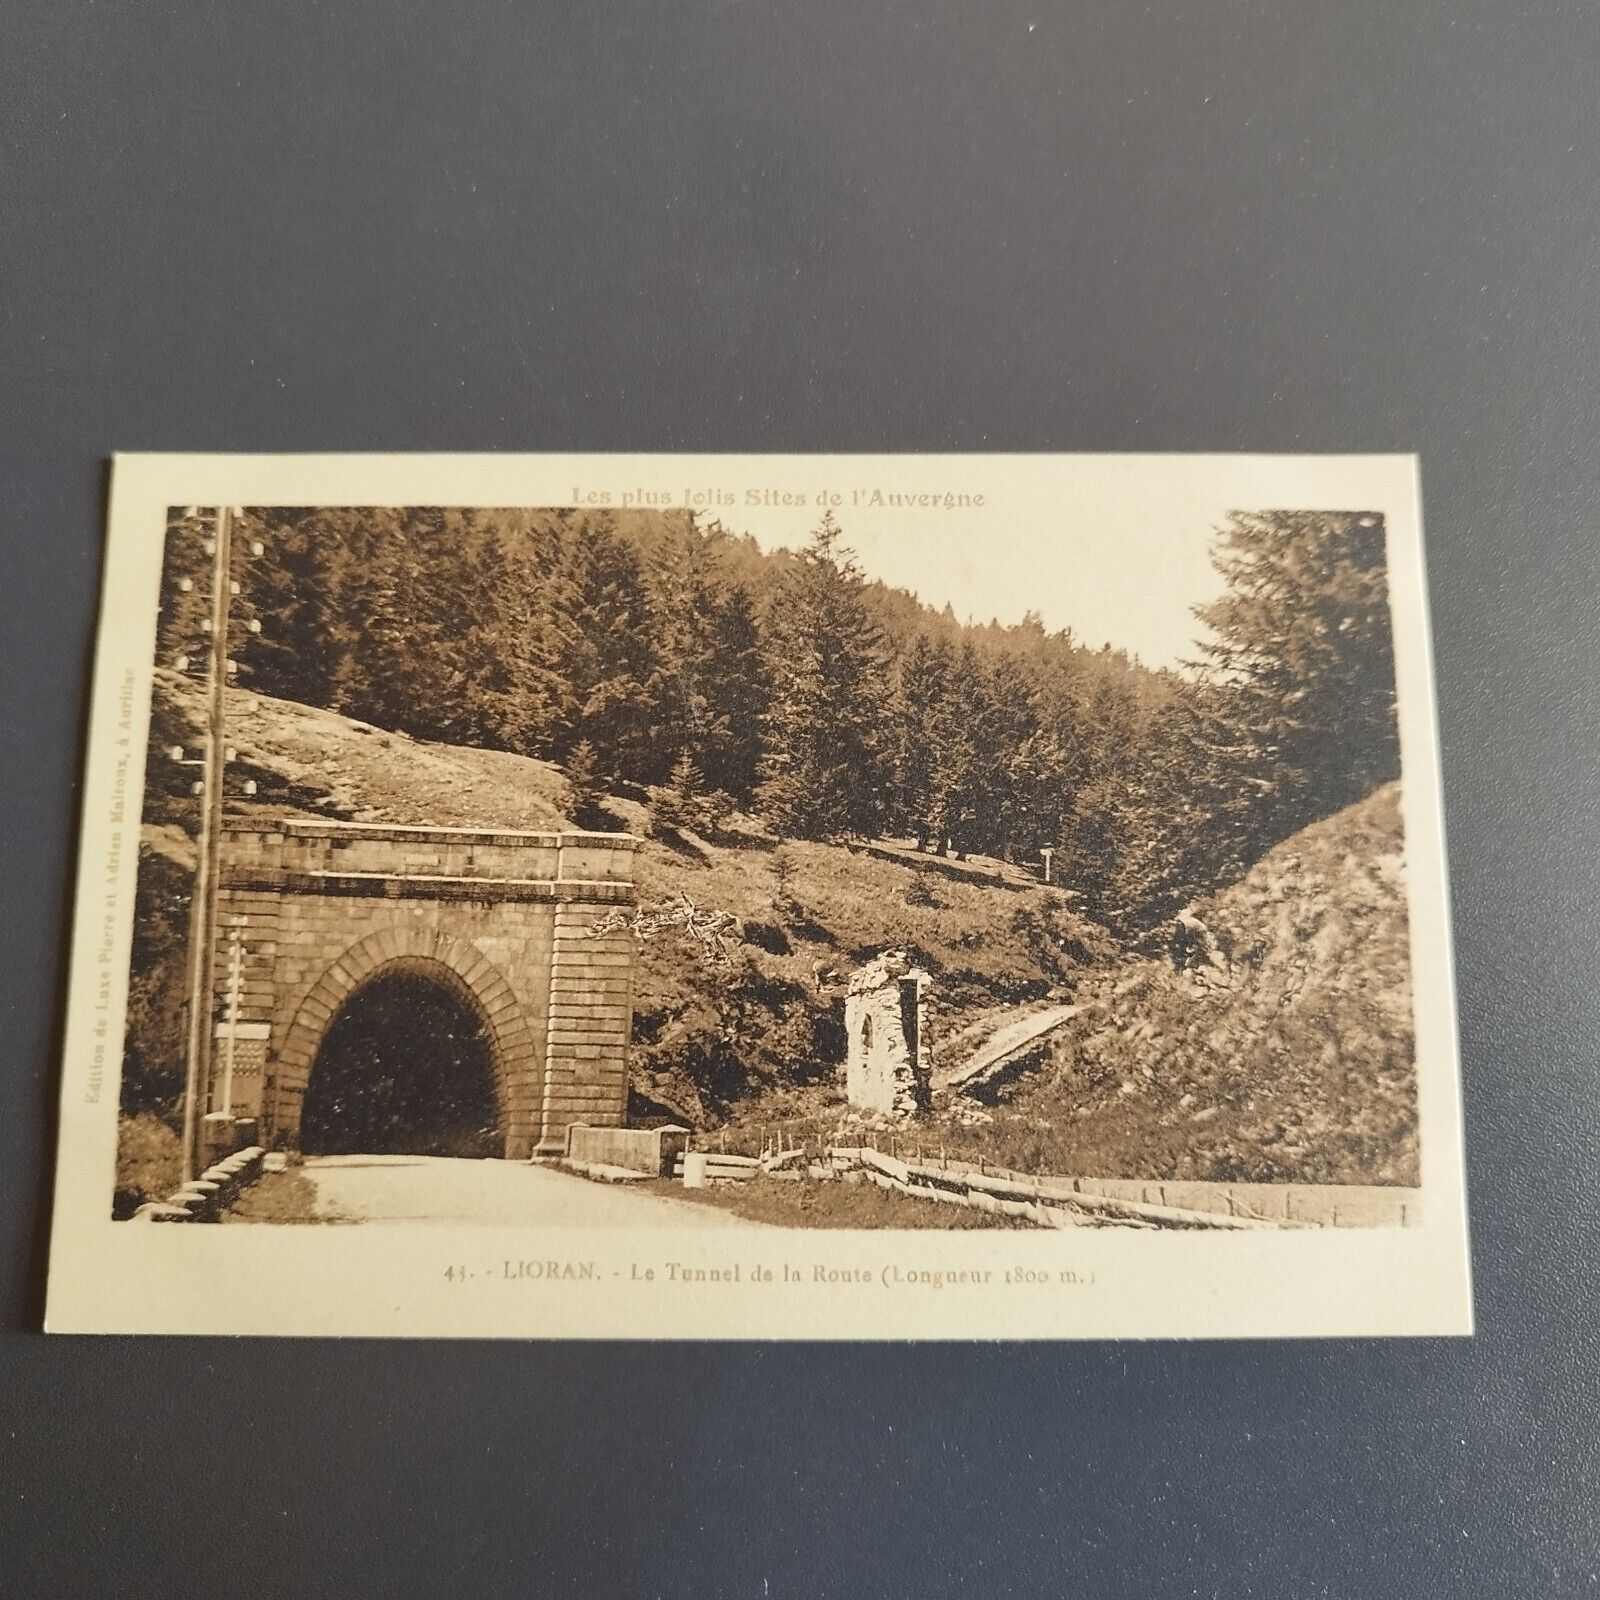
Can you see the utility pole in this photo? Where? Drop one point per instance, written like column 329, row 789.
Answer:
column 210, row 786
column 203, row 907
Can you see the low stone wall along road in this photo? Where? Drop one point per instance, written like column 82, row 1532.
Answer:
column 509, row 1193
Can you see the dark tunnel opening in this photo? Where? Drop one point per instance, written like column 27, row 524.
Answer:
column 404, row 1068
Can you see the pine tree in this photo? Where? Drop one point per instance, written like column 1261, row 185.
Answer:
column 608, row 660
column 682, row 803
column 541, row 616
column 180, row 622
column 823, row 776
column 921, row 681
column 684, row 592
column 1016, row 766
column 686, row 783
column 737, row 693
column 1300, row 716
column 709, row 688
column 1142, row 836
column 291, row 588
column 373, row 637
column 534, row 705
column 1035, row 796
column 585, row 785
column 961, row 778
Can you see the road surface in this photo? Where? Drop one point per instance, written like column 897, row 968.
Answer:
column 443, row 1189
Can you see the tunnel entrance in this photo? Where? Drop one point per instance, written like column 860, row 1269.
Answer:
column 406, row 1067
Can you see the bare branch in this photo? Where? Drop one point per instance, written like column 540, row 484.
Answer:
column 710, row 928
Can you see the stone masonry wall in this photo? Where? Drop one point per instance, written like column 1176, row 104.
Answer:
column 590, row 1022
column 501, row 918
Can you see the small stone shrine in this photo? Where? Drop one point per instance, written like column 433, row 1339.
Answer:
column 886, row 1062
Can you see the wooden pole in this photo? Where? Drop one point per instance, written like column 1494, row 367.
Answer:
column 202, row 909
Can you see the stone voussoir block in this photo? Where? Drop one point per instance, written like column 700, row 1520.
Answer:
column 317, row 1010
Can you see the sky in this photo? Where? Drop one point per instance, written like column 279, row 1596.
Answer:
column 1124, row 569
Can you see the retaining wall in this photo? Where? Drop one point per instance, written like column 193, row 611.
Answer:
column 208, row 1196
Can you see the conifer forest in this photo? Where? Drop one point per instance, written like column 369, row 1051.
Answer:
column 655, row 649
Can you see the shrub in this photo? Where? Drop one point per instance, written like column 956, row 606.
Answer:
column 784, row 870
column 767, row 936
column 149, row 1163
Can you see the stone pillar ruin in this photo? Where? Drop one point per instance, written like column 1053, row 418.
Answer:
column 886, row 1044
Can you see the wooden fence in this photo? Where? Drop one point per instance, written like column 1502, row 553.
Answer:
column 909, row 1161
column 1044, row 1202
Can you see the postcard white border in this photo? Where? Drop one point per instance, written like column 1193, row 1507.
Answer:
column 389, row 1279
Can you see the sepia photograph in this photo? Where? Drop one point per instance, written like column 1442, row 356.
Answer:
column 801, row 801
column 694, row 857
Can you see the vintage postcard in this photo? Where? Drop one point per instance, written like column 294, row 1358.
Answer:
column 812, row 897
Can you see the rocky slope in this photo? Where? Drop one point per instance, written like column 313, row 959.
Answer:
column 1281, row 1048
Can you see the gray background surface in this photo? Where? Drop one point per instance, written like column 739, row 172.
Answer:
column 823, row 225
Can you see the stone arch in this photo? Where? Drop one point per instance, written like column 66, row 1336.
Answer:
column 456, row 963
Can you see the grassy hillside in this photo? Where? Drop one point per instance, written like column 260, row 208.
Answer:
column 1287, row 1055
column 708, row 1036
